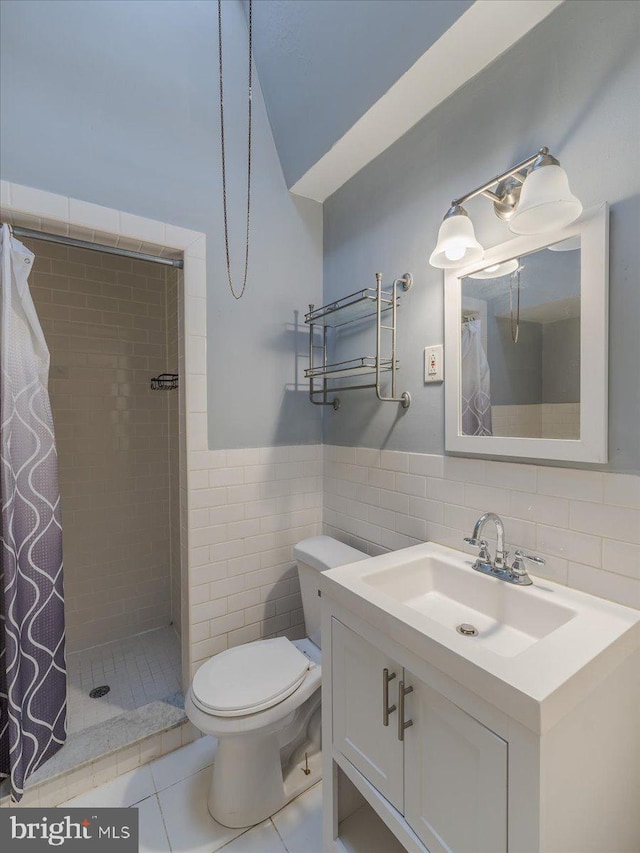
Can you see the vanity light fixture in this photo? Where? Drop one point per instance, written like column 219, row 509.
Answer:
column 546, row 202
column 532, row 197
column 457, row 244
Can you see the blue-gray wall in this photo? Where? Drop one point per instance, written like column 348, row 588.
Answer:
column 516, row 370
column 561, row 361
column 116, row 103
column 323, row 63
column 544, row 365
column 572, row 84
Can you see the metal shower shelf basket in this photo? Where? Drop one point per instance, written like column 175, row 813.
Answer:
column 164, row 382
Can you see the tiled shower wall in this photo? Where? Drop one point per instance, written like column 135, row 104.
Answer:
column 585, row 523
column 173, row 295
column 104, row 318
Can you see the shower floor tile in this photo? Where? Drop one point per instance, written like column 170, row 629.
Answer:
column 138, row 670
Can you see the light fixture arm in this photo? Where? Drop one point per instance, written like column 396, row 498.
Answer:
column 528, row 196
column 485, row 189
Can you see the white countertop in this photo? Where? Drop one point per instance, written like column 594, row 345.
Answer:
column 536, row 681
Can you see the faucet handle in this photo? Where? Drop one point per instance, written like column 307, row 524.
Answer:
column 484, row 556
column 520, row 555
column 518, row 569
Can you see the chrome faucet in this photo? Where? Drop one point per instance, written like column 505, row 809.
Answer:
column 517, row 573
column 474, row 539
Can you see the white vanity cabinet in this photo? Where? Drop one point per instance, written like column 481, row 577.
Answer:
column 364, row 679
column 441, row 769
column 455, row 776
column 499, row 748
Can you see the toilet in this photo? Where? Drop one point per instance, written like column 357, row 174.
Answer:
column 262, row 702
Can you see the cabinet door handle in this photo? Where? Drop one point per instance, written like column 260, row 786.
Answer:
column 386, row 709
column 402, row 725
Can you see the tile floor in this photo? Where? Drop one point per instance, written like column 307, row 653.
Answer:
column 139, row 670
column 171, row 797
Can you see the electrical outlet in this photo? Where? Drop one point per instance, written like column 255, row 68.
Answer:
column 433, row 364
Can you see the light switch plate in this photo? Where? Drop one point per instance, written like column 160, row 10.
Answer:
column 434, row 364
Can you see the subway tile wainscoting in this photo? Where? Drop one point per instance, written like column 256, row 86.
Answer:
column 585, row 523
column 247, row 509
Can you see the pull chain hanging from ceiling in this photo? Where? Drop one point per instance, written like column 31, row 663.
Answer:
column 514, row 278
column 224, row 169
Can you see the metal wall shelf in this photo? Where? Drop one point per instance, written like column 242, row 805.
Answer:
column 352, row 367
column 349, row 309
column 369, row 302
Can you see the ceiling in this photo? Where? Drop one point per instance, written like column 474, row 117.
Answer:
column 343, row 79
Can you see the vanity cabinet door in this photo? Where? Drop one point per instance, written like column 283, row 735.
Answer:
column 358, row 730
column 455, row 776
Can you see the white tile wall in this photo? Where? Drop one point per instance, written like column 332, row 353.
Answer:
column 560, row 420
column 586, row 524
column 247, row 509
column 539, row 420
column 517, row 420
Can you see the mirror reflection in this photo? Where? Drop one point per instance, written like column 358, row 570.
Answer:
column 520, row 340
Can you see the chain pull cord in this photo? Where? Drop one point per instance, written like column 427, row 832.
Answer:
column 515, row 332
column 224, row 170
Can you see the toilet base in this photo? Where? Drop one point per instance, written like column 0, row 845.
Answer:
column 238, row 796
column 260, row 761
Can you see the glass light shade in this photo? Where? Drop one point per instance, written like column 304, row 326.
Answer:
column 546, row 202
column 457, row 245
column 497, row 270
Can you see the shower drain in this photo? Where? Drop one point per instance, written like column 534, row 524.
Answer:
column 97, row 692
column 467, row 630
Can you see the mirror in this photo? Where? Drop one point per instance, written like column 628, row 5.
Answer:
column 517, row 329
column 520, row 344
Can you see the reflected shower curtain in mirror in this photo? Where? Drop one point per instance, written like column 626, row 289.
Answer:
column 32, row 645
column 476, row 381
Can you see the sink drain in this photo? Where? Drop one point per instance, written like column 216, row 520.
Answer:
column 97, row 692
column 467, row 630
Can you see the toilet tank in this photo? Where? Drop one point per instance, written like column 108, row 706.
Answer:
column 313, row 555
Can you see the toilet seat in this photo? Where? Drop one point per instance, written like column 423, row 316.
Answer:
column 249, row 678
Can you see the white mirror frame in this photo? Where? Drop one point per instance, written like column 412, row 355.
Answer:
column 592, row 446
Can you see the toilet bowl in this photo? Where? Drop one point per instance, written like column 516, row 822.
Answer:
column 261, row 701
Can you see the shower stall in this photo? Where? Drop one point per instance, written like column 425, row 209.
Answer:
column 111, row 327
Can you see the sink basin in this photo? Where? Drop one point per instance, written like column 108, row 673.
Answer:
column 506, row 618
column 537, row 649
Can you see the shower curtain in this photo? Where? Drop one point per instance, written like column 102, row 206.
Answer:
column 476, row 382
column 32, row 646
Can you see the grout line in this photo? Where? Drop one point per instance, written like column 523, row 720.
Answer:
column 271, row 821
column 164, row 824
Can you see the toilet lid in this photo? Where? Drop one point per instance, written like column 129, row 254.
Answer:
column 249, row 678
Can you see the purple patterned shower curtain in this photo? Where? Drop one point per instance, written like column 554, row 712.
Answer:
column 476, row 381
column 33, row 677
